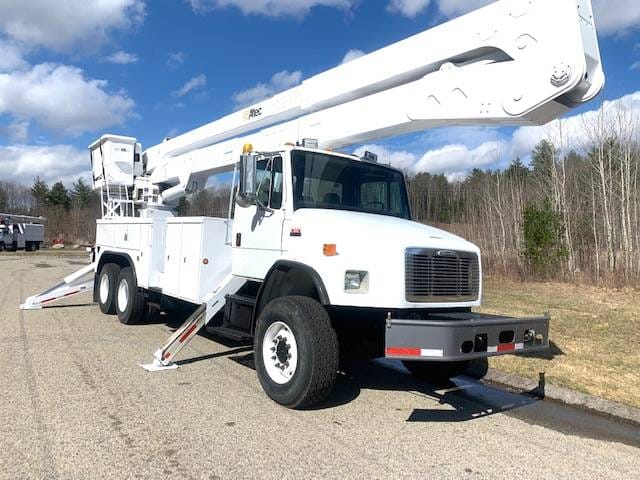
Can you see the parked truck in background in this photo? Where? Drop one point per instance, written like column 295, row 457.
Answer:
column 21, row 232
column 319, row 254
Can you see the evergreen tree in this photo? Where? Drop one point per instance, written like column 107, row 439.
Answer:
column 4, row 200
column 517, row 170
column 40, row 194
column 543, row 158
column 58, row 196
column 543, row 237
column 81, row 195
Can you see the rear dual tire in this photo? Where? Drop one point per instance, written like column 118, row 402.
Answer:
column 118, row 293
column 107, row 280
column 129, row 299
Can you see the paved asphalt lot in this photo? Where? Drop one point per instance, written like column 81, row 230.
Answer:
column 75, row 404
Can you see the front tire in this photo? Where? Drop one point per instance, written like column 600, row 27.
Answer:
column 107, row 280
column 438, row 373
column 296, row 351
column 130, row 302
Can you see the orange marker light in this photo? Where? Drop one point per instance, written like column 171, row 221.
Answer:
column 330, row 249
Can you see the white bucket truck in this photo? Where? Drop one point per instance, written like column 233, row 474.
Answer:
column 20, row 232
column 319, row 254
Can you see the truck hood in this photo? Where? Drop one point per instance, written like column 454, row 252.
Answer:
column 340, row 226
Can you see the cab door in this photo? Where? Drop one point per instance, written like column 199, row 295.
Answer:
column 257, row 238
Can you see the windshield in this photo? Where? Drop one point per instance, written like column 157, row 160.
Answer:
column 326, row 181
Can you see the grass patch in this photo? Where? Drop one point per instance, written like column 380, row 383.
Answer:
column 595, row 335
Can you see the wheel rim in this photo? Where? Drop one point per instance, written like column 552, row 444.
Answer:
column 123, row 295
column 104, row 288
column 280, row 353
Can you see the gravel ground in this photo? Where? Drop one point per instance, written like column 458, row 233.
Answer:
column 76, row 405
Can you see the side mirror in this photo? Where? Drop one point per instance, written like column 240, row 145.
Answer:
column 246, row 194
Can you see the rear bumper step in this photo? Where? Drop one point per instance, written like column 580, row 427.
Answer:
column 464, row 336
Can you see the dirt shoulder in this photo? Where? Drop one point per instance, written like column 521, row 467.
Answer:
column 595, row 334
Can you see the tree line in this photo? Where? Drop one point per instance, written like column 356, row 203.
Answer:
column 567, row 215
column 70, row 213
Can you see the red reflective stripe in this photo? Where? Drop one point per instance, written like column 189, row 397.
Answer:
column 404, row 352
column 166, row 355
column 56, row 298
column 186, row 334
column 506, row 347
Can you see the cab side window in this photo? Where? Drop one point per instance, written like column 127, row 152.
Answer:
column 270, row 181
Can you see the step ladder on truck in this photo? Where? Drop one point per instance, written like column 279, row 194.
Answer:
column 319, row 253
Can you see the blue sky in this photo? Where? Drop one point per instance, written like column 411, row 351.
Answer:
column 71, row 70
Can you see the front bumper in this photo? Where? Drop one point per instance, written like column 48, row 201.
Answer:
column 459, row 336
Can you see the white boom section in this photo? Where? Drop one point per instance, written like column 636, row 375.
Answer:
column 77, row 282
column 514, row 62
column 10, row 217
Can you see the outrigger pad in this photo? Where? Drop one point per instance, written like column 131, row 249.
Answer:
column 158, row 367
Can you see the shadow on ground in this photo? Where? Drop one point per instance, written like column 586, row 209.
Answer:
column 466, row 398
column 553, row 352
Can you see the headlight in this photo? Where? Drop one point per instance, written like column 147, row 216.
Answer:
column 356, row 281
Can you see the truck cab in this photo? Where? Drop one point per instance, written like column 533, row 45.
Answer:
column 349, row 220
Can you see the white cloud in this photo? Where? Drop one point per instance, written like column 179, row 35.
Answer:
column 455, row 160
column 396, row 158
column 194, row 83
column 452, row 8
column 635, row 66
column 280, row 81
column 175, row 59
column 573, row 133
column 408, row 8
column 16, row 131
column 352, row 55
column 22, row 163
column 612, row 16
column 272, row 8
column 64, row 25
column 61, row 100
column 616, row 16
column 121, row 58
column 11, row 57
column 448, row 8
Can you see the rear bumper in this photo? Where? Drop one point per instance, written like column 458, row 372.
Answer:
column 459, row 336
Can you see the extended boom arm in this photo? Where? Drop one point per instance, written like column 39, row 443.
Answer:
column 514, row 62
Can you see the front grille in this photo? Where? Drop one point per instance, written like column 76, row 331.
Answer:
column 433, row 275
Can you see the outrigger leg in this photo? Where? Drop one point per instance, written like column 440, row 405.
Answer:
column 73, row 284
column 163, row 358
